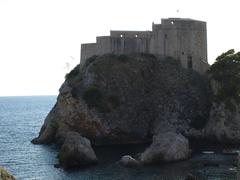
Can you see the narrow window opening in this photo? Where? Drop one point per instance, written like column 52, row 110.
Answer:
column 165, row 36
column 182, row 53
column 189, row 62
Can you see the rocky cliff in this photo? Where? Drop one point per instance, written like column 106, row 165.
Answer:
column 127, row 99
column 224, row 120
column 224, row 77
column 5, row 175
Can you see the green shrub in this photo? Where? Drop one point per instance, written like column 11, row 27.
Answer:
column 92, row 97
column 73, row 72
column 226, row 72
column 123, row 58
column 147, row 55
column 110, row 55
column 90, row 60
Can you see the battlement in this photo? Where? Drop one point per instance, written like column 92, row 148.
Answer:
column 180, row 38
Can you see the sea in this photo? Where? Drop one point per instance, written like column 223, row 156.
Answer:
column 21, row 119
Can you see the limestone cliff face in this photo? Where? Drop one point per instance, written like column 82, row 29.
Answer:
column 224, row 123
column 126, row 99
column 224, row 120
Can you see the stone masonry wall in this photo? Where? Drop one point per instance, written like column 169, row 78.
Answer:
column 182, row 39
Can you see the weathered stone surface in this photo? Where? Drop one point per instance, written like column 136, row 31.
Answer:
column 4, row 175
column 129, row 161
column 224, row 122
column 166, row 147
column 184, row 39
column 48, row 130
column 76, row 151
column 126, row 99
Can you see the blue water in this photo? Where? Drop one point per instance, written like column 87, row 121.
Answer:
column 20, row 121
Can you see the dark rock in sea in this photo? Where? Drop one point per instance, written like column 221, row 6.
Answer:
column 166, row 147
column 126, row 99
column 4, row 175
column 230, row 151
column 57, row 165
column 129, row 99
column 211, row 164
column 76, row 151
column 129, row 161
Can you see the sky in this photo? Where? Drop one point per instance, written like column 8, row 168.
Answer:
column 40, row 39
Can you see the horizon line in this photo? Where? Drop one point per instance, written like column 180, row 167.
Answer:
column 27, row 95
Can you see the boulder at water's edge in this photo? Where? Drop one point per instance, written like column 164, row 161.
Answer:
column 76, row 151
column 166, row 147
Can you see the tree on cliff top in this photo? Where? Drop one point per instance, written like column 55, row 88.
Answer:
column 226, row 72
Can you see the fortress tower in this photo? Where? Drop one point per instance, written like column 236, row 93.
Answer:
column 182, row 39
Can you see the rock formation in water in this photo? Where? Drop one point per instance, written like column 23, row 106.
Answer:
column 129, row 161
column 4, row 175
column 130, row 99
column 127, row 99
column 165, row 148
column 76, row 151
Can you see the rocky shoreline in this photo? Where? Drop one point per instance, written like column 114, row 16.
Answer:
column 5, row 175
column 136, row 99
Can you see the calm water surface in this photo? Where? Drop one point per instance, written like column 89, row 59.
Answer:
column 21, row 119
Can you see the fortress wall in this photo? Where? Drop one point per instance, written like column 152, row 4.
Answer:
column 129, row 42
column 130, row 45
column 116, row 45
column 169, row 42
column 103, row 45
column 200, row 45
column 197, row 46
column 182, row 39
column 87, row 50
column 165, row 40
column 154, row 45
column 126, row 42
column 185, row 40
column 131, row 34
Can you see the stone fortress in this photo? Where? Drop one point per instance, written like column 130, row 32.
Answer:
column 180, row 38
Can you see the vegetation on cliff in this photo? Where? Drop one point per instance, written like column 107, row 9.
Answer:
column 126, row 99
column 226, row 72
column 224, row 75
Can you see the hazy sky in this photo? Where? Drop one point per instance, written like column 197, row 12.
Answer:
column 40, row 39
